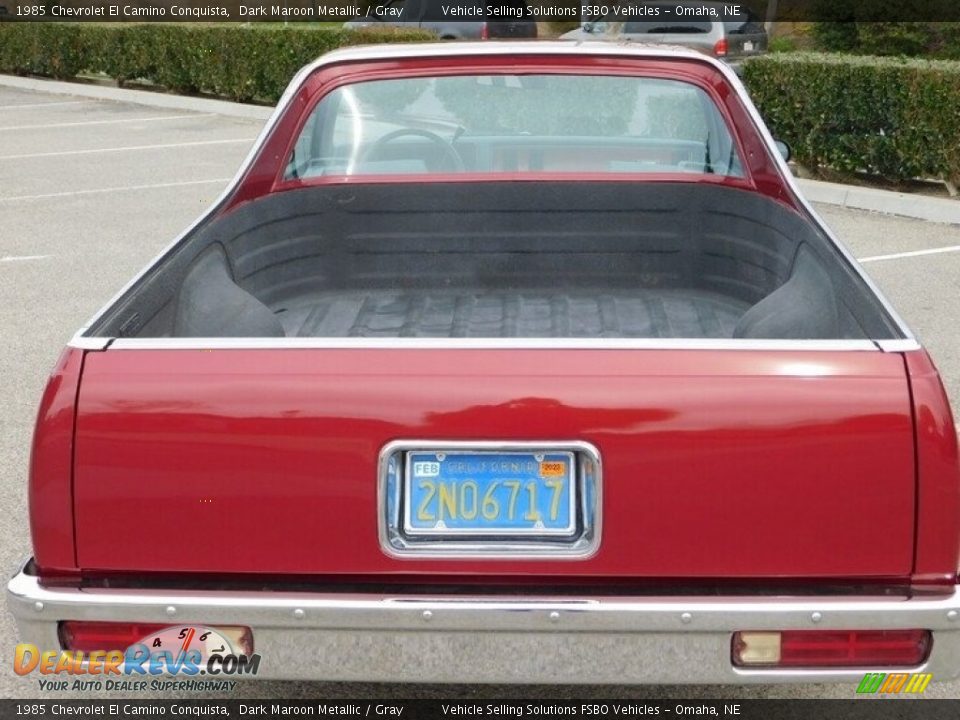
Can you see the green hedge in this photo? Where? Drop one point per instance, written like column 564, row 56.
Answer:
column 242, row 62
column 940, row 40
column 893, row 117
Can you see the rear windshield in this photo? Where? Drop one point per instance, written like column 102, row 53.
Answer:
column 747, row 24
column 514, row 124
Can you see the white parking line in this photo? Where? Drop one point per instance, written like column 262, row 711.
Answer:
column 915, row 253
column 106, row 122
column 125, row 188
column 33, row 106
column 22, row 258
column 131, row 148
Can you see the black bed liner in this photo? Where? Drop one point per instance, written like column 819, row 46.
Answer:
column 504, row 259
column 476, row 313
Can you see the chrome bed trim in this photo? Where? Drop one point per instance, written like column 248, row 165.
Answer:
column 486, row 344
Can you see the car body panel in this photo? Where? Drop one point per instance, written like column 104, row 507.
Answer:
column 51, row 468
column 715, row 464
column 938, row 469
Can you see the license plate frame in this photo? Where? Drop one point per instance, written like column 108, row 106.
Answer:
column 487, row 481
column 398, row 540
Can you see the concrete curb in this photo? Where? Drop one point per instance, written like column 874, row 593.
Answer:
column 139, row 97
column 920, row 207
column 849, row 196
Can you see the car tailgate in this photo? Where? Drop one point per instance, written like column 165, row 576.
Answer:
column 716, row 463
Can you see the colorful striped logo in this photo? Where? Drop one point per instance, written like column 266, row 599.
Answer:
column 894, row 683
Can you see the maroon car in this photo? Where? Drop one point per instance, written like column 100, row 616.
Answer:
column 503, row 362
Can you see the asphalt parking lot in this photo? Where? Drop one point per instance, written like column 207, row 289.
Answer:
column 92, row 190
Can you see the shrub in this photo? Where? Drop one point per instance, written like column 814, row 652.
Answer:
column 783, row 44
column 58, row 52
column 876, row 36
column 893, row 117
column 894, row 38
column 241, row 62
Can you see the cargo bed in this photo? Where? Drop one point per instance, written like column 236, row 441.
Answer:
column 504, row 260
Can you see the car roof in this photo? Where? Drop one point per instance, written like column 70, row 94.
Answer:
column 557, row 48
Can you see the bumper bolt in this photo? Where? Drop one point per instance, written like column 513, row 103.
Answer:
column 38, row 606
column 952, row 615
column 299, row 613
column 816, row 617
column 686, row 618
column 554, row 616
column 171, row 610
column 427, row 615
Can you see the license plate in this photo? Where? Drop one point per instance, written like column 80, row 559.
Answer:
column 505, row 494
column 748, row 46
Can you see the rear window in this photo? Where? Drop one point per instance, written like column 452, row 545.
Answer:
column 514, row 124
column 745, row 24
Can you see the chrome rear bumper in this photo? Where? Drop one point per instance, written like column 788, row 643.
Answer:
column 476, row 639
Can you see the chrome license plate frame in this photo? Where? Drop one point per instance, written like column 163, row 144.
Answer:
column 577, row 539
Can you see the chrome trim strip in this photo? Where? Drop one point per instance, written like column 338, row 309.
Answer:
column 390, row 507
column 481, row 49
column 80, row 342
column 899, row 346
column 498, row 638
column 400, row 343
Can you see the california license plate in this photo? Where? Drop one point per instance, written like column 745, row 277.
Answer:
column 505, row 494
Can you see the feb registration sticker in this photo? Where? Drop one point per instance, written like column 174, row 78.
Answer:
column 503, row 494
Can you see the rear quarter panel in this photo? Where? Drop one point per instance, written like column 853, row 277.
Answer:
column 51, row 468
column 938, row 474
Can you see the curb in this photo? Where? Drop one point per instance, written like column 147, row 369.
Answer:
column 919, row 207
column 853, row 197
column 139, row 97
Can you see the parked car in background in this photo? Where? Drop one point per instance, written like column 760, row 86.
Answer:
column 443, row 17
column 732, row 38
column 504, row 362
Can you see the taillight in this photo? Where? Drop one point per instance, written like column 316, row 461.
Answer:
column 93, row 636
column 721, row 48
column 90, row 636
column 484, row 31
column 831, row 648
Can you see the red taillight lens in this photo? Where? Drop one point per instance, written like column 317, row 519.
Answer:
column 89, row 636
column 831, row 648
column 721, row 48
column 93, row 636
